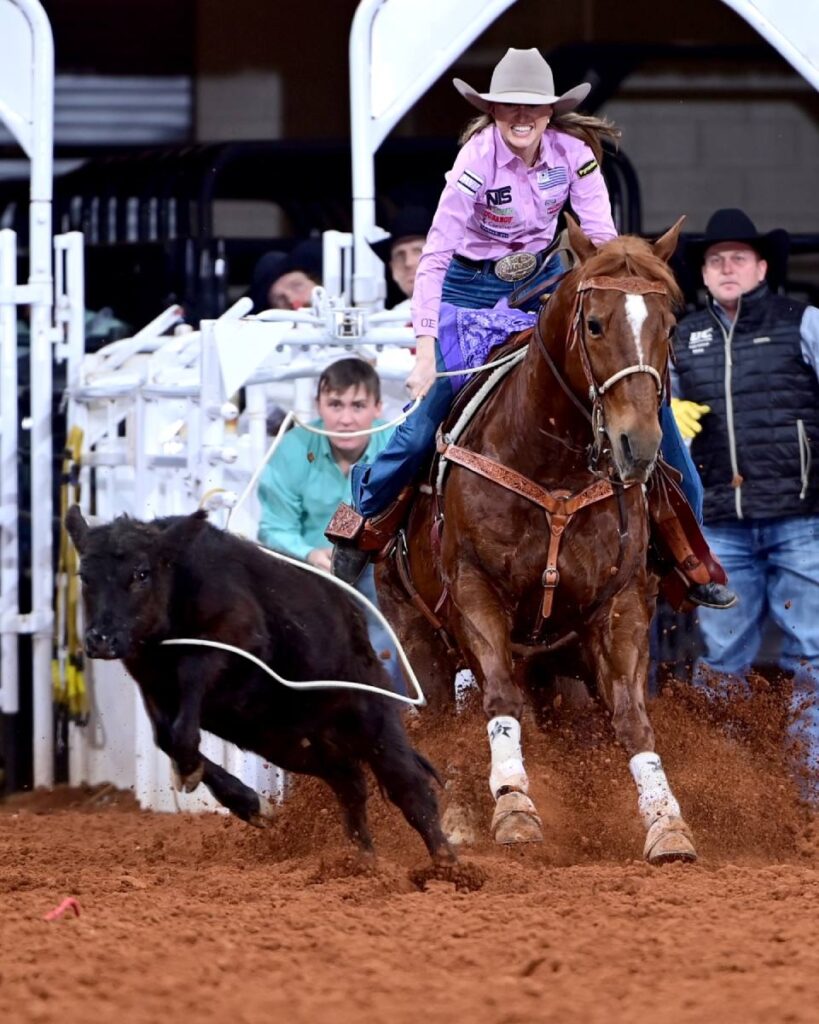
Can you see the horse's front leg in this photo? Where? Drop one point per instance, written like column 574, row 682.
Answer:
column 484, row 634
column 619, row 647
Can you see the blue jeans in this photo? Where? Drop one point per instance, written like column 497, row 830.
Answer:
column 675, row 452
column 379, row 637
column 773, row 565
column 774, row 569
column 376, row 485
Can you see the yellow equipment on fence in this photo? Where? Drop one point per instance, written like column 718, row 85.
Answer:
column 67, row 675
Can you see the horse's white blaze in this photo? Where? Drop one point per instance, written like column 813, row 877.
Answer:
column 636, row 313
column 655, row 797
column 507, row 756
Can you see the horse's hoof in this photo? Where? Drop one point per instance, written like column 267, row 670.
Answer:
column 669, row 839
column 516, row 820
column 263, row 818
column 188, row 783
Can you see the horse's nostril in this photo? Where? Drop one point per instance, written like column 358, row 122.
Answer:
column 628, row 454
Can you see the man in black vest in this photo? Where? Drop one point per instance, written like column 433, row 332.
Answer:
column 747, row 386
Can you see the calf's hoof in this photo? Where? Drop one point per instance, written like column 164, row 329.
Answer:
column 188, row 783
column 264, row 817
column 515, row 819
column 464, row 876
column 669, row 839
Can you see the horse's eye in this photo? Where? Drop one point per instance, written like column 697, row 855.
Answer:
column 594, row 327
column 141, row 575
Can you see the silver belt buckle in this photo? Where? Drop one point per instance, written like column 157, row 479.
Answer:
column 515, row 266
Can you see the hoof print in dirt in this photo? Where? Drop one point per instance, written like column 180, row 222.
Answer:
column 465, row 877
column 349, row 865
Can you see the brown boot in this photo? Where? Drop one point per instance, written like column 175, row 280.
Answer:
column 356, row 540
column 679, row 538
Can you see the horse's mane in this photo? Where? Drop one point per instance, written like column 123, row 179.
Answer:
column 630, row 256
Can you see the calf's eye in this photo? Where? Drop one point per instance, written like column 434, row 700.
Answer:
column 141, row 575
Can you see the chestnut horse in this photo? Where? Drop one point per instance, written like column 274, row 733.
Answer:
column 551, row 553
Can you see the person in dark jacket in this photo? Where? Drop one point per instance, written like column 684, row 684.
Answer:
column 287, row 280
column 747, row 392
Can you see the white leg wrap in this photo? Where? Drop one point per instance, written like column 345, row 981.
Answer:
column 655, row 796
column 507, row 757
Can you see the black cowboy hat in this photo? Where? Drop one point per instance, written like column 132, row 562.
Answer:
column 409, row 222
column 305, row 256
column 733, row 225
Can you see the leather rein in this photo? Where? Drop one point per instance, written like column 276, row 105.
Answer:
column 560, row 506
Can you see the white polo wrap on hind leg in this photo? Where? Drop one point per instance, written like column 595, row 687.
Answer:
column 655, row 796
column 507, row 758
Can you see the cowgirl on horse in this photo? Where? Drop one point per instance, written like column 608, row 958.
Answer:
column 493, row 232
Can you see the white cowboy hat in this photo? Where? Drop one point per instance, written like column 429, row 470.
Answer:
column 522, row 76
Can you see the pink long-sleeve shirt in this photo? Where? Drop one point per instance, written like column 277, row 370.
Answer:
column 493, row 204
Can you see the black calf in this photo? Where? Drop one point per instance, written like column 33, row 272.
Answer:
column 180, row 577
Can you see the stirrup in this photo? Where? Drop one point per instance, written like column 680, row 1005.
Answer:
column 697, row 576
column 345, row 526
column 349, row 528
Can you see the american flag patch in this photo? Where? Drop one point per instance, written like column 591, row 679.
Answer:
column 552, row 177
column 469, row 182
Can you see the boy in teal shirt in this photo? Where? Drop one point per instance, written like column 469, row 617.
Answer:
column 309, row 475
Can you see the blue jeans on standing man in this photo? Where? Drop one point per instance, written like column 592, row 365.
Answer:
column 773, row 565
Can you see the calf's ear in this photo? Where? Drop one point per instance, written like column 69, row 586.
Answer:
column 77, row 527
column 182, row 533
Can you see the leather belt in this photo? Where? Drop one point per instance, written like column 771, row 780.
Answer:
column 516, row 266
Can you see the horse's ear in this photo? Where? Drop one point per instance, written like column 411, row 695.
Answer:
column 581, row 244
column 666, row 244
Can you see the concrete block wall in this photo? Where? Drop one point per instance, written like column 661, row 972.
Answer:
column 243, row 105
column 694, row 153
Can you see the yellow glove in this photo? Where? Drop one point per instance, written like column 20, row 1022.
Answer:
column 688, row 416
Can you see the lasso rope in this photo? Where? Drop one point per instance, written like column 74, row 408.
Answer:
column 333, row 684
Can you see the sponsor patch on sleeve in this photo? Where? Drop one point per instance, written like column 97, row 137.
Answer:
column 469, row 182
column 587, row 168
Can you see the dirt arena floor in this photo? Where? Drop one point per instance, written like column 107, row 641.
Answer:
column 201, row 918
